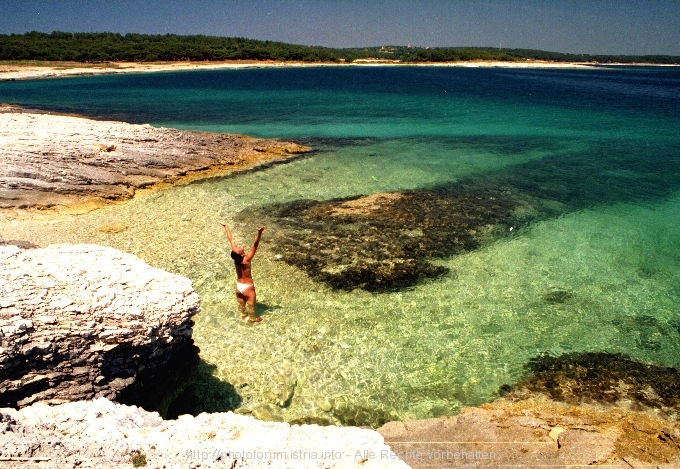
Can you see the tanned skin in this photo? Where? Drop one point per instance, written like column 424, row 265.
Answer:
column 245, row 288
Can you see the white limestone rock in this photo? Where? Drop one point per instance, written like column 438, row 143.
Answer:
column 103, row 434
column 84, row 321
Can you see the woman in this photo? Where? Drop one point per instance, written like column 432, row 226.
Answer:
column 245, row 288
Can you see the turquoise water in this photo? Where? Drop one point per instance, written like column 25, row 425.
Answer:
column 592, row 261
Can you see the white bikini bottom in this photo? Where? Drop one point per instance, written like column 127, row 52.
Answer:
column 242, row 287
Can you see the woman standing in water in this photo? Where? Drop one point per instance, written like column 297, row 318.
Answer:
column 245, row 288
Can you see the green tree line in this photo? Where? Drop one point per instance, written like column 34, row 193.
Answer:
column 103, row 47
column 452, row 54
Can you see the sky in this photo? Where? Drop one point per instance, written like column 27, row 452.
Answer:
column 636, row 27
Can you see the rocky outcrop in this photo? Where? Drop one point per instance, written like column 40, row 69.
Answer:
column 85, row 321
column 53, row 160
column 524, row 434
column 537, row 432
column 572, row 410
column 102, row 434
column 610, row 379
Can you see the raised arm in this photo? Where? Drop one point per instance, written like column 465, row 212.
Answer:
column 253, row 248
column 229, row 236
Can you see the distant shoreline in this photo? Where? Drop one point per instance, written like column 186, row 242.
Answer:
column 10, row 71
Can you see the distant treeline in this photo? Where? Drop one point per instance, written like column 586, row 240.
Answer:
column 452, row 54
column 103, row 47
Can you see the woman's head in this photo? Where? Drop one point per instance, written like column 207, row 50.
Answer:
column 238, row 254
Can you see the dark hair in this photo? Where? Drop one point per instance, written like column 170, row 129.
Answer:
column 238, row 258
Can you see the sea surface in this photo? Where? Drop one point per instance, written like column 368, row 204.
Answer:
column 588, row 261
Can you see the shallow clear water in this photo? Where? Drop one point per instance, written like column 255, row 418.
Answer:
column 600, row 273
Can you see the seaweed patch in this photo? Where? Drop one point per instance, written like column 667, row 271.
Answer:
column 387, row 241
column 609, row 378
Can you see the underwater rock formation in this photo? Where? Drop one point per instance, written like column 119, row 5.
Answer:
column 17, row 242
column 392, row 240
column 53, row 160
column 603, row 378
column 104, row 434
column 84, row 321
column 359, row 416
column 387, row 241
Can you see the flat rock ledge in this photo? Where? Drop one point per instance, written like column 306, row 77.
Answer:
column 57, row 160
column 103, row 434
column 85, row 321
column 537, row 432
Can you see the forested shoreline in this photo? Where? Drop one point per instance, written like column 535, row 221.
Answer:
column 114, row 47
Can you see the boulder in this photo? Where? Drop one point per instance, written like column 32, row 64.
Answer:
column 85, row 321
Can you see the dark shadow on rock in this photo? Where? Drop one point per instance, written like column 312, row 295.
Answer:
column 600, row 377
column 158, row 382
column 148, row 376
column 206, row 393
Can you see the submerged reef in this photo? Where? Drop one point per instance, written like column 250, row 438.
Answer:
column 391, row 240
column 600, row 377
column 387, row 241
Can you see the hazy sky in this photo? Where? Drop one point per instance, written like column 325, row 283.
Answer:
column 585, row 26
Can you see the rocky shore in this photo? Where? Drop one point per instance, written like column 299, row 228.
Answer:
column 93, row 325
column 102, row 434
column 82, row 325
column 56, row 160
column 537, row 432
column 525, row 434
column 84, row 321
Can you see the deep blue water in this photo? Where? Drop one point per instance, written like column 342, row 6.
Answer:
column 375, row 102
